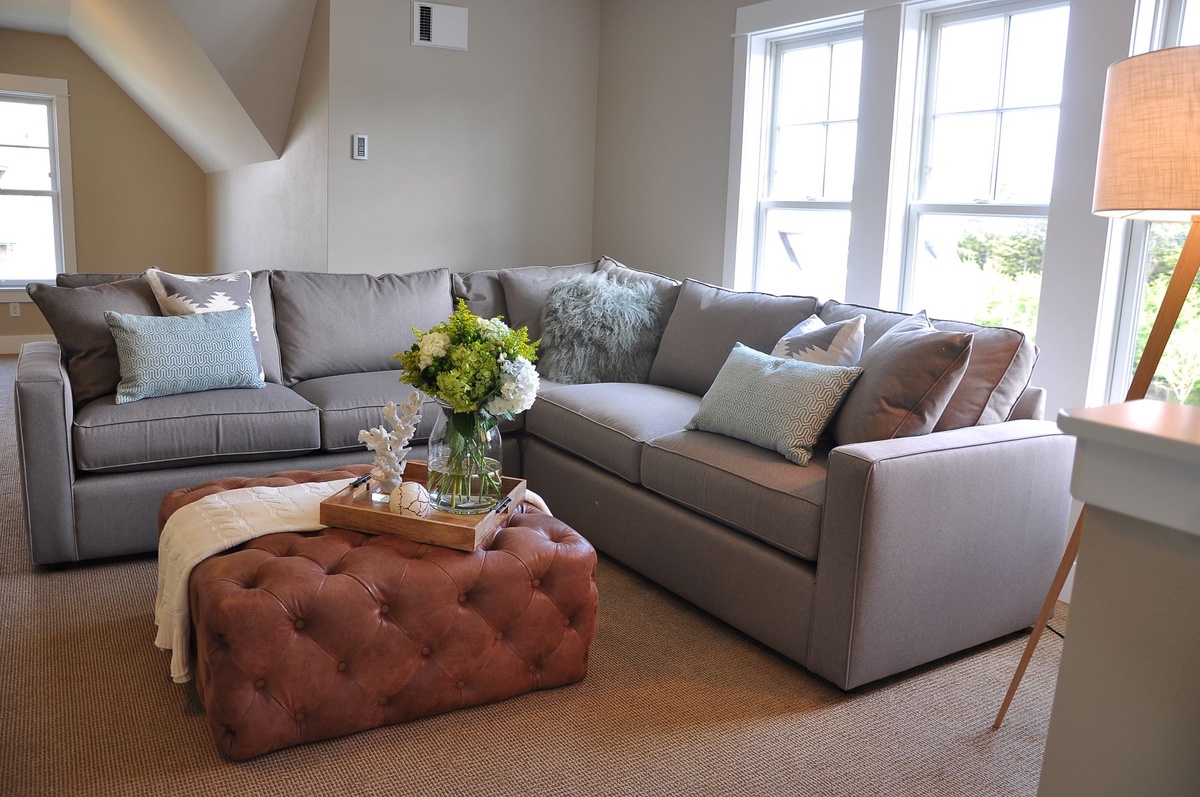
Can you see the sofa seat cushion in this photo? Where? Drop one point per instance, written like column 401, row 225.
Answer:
column 194, row 429
column 607, row 423
column 350, row 403
column 741, row 485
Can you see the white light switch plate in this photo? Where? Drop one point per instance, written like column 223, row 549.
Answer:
column 358, row 147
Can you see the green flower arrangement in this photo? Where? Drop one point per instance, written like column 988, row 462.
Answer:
column 473, row 364
column 480, row 371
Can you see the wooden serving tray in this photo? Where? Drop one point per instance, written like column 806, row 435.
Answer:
column 352, row 508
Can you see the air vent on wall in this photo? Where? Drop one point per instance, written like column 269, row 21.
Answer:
column 425, row 26
column 436, row 25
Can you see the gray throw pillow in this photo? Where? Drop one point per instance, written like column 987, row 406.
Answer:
column 183, row 294
column 1001, row 364
column 183, row 354
column 595, row 329
column 76, row 316
column 777, row 404
column 908, row 378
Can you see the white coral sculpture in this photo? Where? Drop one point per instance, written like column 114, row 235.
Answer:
column 391, row 448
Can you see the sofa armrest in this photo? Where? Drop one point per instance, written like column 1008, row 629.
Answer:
column 44, row 413
column 933, row 544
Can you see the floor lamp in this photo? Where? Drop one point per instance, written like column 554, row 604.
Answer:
column 1148, row 169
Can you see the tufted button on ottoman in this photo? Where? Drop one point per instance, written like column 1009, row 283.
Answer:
column 306, row 636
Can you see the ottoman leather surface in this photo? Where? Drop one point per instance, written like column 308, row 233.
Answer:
column 306, row 636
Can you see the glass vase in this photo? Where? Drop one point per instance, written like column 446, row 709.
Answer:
column 464, row 462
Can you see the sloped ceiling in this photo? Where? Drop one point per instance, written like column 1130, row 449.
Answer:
column 218, row 76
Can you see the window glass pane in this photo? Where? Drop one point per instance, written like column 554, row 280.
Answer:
column 960, row 158
column 1189, row 32
column 27, row 238
column 804, row 252
column 25, row 169
column 1027, row 145
column 839, row 160
column 968, row 66
column 1177, row 378
column 1037, row 46
column 803, row 86
column 844, row 79
column 986, row 269
column 24, row 124
column 799, row 162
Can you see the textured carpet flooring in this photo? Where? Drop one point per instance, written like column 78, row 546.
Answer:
column 675, row 703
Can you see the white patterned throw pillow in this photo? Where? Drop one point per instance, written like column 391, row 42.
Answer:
column 775, row 403
column 814, row 341
column 185, row 294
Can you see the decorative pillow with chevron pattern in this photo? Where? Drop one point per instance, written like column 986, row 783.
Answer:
column 814, row 341
column 779, row 404
column 165, row 356
column 185, row 294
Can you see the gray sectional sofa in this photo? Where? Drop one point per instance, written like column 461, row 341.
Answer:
column 875, row 558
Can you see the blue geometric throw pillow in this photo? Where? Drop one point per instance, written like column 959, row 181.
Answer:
column 165, row 356
column 186, row 294
column 775, row 403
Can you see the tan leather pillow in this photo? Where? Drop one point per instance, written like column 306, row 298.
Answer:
column 908, row 377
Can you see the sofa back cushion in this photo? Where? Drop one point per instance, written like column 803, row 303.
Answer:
column 76, row 316
column 525, row 291
column 482, row 291
column 708, row 321
column 353, row 323
column 998, row 372
column 260, row 294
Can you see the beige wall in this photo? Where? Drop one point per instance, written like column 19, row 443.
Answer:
column 662, row 144
column 478, row 159
column 276, row 214
column 139, row 200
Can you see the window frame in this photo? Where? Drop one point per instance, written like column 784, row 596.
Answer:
column 1077, row 306
column 1159, row 25
column 777, row 46
column 52, row 93
column 933, row 18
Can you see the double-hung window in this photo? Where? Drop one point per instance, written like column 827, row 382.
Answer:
column 976, row 225
column 1154, row 249
column 36, row 227
column 802, row 223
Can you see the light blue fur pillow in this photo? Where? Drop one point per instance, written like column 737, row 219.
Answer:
column 595, row 329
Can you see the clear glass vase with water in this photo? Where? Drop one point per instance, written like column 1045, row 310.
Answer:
column 464, row 462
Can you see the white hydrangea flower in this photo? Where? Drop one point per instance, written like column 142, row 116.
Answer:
column 493, row 328
column 518, row 387
column 433, row 344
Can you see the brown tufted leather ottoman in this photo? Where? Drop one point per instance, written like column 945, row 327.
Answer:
column 306, row 636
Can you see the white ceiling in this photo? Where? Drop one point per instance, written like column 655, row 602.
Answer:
column 218, row 76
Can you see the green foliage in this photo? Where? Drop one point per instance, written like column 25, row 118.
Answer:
column 1178, row 375
column 1012, row 255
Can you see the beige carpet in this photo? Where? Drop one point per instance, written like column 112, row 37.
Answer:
column 675, row 703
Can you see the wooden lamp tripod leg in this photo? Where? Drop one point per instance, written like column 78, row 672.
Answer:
column 1168, row 313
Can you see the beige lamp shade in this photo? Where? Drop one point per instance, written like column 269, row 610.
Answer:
column 1149, row 162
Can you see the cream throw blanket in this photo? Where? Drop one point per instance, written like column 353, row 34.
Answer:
column 217, row 523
